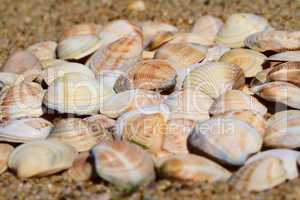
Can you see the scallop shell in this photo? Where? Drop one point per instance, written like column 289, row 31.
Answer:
column 5, row 151
column 250, row 61
column 44, row 50
column 260, row 175
column 238, row 27
column 215, row 78
column 274, row 40
column 77, row 47
column 82, row 169
column 288, row 158
column 292, row 56
column 25, row 130
column 193, row 168
column 79, row 133
column 228, row 140
column 41, row 158
column 81, row 29
column 288, row 71
column 123, row 164
column 234, row 100
column 102, row 121
column 21, row 100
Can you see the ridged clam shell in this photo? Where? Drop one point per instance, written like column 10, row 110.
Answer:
column 81, row 29
column 260, row 175
column 41, row 158
column 193, row 168
column 274, row 40
column 215, row 78
column 238, row 27
column 102, row 121
column 228, row 140
column 44, row 50
column 237, row 100
column 288, row 157
column 288, row 71
column 5, row 151
column 79, row 133
column 119, row 55
column 123, row 164
column 25, row 130
column 21, row 100
column 250, row 61
column 292, row 56
column 81, row 169
column 77, row 47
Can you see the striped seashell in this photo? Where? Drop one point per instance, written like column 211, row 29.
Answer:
column 216, row 137
column 52, row 63
column 288, row 71
column 81, row 29
column 5, row 151
column 102, row 121
column 193, row 168
column 291, row 56
column 160, row 39
column 44, row 50
column 82, row 169
column 8, row 79
column 41, row 158
column 123, row 164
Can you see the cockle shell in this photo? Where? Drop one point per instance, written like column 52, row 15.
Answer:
column 24, row 130
column 274, row 40
column 228, row 140
column 288, row 158
column 119, row 55
column 21, row 100
column 102, row 121
column 260, row 175
column 79, row 133
column 123, row 164
column 250, row 61
column 288, row 71
column 41, row 158
column 238, row 27
column 82, row 29
column 5, row 151
column 82, row 169
column 215, row 78
column 77, row 47
column 237, row 100
column 44, row 50
column 292, row 56
column 192, row 167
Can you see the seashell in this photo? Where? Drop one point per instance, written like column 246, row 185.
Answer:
column 73, row 93
column 217, row 137
column 77, row 47
column 41, row 158
column 82, row 169
column 44, row 50
column 78, row 133
column 160, row 39
column 288, row 158
column 123, row 164
column 215, row 53
column 190, row 38
column 282, row 131
column 109, row 78
column 288, row 71
column 250, row 61
column 5, row 151
column 8, row 79
column 21, row 100
column 129, row 100
column 137, row 5
column 189, row 104
column 274, row 40
column 102, row 121
column 292, row 56
column 52, row 63
column 215, row 78
column 234, row 100
column 20, row 62
column 24, row 130
column 207, row 27
column 193, row 168
column 81, row 29
column 119, row 55
column 148, row 55
column 260, row 175
column 238, row 27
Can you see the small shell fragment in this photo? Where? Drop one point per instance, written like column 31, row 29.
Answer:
column 5, row 151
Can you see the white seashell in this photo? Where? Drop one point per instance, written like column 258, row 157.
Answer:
column 189, row 38
column 5, row 151
column 293, row 56
column 8, row 78
column 44, row 50
column 52, row 63
column 215, row 53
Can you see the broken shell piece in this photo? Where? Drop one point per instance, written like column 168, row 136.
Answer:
column 292, row 56
column 288, row 71
column 82, row 168
column 44, row 50
column 5, row 151
column 82, row 29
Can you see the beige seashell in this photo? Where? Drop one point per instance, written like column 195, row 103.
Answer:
column 234, row 100
column 20, row 62
column 148, row 55
column 190, row 38
column 77, row 47
column 102, row 121
column 137, row 5
column 160, row 39
column 81, row 29
column 288, row 71
column 119, row 55
column 288, row 158
column 215, row 53
column 44, row 50
column 5, row 151
column 8, row 79
column 193, row 168
column 123, row 164
column 260, row 175
column 215, row 78
column 250, row 61
column 229, row 140
column 274, row 40
column 25, row 130
column 41, row 158
column 292, row 56
column 21, row 100
column 238, row 27
column 52, row 63
column 82, row 169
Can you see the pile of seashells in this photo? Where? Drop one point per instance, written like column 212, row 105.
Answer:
column 137, row 102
